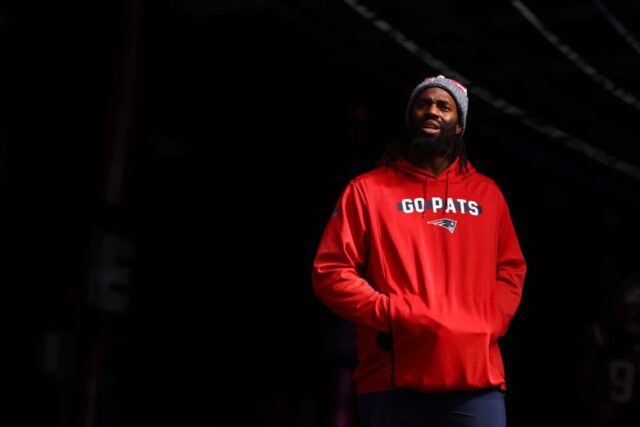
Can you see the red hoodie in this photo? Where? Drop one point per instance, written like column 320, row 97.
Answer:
column 435, row 262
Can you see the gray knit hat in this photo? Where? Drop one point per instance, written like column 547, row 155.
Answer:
column 455, row 88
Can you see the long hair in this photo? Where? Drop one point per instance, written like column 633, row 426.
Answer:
column 397, row 149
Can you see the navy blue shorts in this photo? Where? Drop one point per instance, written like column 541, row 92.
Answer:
column 408, row 408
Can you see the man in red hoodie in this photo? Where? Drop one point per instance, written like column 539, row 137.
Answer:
column 421, row 255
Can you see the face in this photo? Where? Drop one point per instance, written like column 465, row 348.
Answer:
column 434, row 121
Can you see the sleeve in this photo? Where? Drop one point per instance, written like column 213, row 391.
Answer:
column 510, row 269
column 338, row 278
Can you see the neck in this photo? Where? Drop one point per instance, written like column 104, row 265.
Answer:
column 432, row 164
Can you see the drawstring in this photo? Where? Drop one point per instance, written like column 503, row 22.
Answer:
column 424, row 195
column 446, row 194
column 425, row 187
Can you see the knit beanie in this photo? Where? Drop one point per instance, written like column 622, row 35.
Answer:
column 455, row 88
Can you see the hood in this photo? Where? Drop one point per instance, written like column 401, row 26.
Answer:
column 454, row 173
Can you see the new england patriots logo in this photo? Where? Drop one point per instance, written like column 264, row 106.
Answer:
column 447, row 223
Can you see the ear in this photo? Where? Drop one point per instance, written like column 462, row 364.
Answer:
column 458, row 129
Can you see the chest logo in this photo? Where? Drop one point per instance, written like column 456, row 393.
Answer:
column 449, row 224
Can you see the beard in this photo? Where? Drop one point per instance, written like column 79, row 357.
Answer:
column 434, row 146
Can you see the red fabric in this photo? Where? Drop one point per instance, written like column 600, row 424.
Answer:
column 391, row 259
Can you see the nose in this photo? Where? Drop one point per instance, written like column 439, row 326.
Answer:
column 432, row 110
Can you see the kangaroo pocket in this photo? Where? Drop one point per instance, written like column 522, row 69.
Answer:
column 446, row 346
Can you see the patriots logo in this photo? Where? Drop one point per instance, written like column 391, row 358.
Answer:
column 447, row 223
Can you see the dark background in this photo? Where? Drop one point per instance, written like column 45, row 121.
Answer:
column 167, row 168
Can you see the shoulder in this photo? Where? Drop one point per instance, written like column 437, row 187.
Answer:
column 490, row 188
column 485, row 181
column 374, row 177
column 481, row 178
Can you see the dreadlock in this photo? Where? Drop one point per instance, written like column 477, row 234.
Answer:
column 397, row 149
